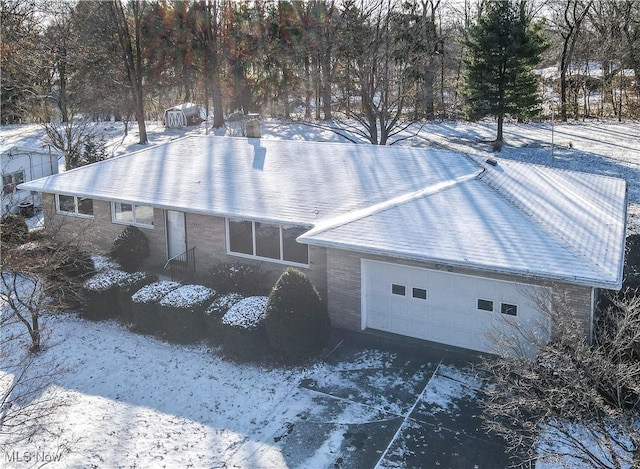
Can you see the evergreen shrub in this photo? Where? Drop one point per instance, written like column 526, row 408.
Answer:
column 214, row 313
column 101, row 290
column 236, row 277
column 182, row 313
column 130, row 248
column 145, row 308
column 127, row 287
column 297, row 321
column 242, row 328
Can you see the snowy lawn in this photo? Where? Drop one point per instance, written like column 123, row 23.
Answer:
column 135, row 401
column 140, row 402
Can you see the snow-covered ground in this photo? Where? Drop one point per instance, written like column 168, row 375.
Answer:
column 135, row 401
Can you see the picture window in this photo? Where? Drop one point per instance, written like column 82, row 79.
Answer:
column 267, row 241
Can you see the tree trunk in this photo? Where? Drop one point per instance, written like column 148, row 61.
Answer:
column 326, row 85
column 34, row 332
column 132, row 61
column 500, row 125
column 307, row 88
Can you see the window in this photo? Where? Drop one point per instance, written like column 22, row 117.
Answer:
column 132, row 214
column 398, row 289
column 241, row 236
column 10, row 181
column 293, row 251
column 485, row 305
column 420, row 293
column 76, row 206
column 511, row 310
column 266, row 241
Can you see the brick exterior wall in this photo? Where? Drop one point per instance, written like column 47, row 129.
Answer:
column 206, row 233
column 98, row 233
column 335, row 273
column 344, row 288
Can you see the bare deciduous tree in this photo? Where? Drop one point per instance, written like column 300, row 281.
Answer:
column 28, row 400
column 573, row 401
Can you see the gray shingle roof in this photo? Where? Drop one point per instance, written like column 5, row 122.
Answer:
column 397, row 201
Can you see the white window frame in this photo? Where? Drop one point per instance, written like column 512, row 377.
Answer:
column 133, row 221
column 508, row 303
column 493, row 304
column 253, row 242
column 75, row 213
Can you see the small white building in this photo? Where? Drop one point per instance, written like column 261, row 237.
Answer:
column 182, row 116
column 23, row 164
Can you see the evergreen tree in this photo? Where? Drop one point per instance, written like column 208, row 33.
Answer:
column 504, row 46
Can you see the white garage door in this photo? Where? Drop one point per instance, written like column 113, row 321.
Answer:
column 445, row 307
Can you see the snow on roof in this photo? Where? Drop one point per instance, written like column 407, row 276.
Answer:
column 25, row 150
column 473, row 225
column 396, row 201
column 289, row 182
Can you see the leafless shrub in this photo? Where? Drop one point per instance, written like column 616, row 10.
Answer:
column 573, row 400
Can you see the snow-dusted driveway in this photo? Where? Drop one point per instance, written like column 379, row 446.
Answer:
column 135, row 401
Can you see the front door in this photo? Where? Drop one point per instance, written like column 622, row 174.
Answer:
column 176, row 233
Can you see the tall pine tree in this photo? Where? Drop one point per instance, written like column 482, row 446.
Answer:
column 504, row 45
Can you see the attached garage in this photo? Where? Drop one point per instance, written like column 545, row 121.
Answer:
column 445, row 307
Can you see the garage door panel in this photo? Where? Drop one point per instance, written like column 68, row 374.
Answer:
column 450, row 313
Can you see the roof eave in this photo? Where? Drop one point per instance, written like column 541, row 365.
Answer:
column 543, row 276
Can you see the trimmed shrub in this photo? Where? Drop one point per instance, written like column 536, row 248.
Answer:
column 182, row 311
column 100, row 291
column 297, row 322
column 104, row 263
column 145, row 308
column 246, row 279
column 243, row 332
column 13, row 230
column 130, row 248
column 214, row 313
column 127, row 287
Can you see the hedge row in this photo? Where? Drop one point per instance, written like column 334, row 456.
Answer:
column 291, row 321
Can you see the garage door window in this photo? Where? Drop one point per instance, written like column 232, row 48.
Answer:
column 398, row 289
column 485, row 305
column 511, row 310
column 420, row 293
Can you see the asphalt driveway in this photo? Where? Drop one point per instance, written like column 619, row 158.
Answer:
column 420, row 403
